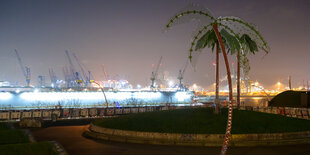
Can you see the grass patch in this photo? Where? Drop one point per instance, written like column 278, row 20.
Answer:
column 40, row 148
column 4, row 126
column 203, row 121
column 12, row 137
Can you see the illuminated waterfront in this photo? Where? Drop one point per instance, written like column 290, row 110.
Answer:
column 46, row 100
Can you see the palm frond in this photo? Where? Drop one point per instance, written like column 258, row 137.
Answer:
column 231, row 41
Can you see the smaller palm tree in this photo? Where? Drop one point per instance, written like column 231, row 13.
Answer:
column 210, row 40
column 248, row 46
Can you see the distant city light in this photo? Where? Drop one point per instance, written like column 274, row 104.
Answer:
column 256, row 83
column 5, row 96
column 170, row 83
column 138, row 86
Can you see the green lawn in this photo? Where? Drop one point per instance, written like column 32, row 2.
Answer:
column 40, row 148
column 203, row 121
column 8, row 136
column 15, row 141
column 13, row 137
column 4, row 126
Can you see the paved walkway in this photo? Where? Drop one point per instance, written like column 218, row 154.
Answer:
column 75, row 144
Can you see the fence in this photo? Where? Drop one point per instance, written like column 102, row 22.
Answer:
column 285, row 111
column 74, row 113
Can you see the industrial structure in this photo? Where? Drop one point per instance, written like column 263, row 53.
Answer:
column 181, row 86
column 76, row 77
column 155, row 73
column 25, row 69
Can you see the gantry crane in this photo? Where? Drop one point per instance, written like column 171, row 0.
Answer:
column 25, row 69
column 105, row 74
column 41, row 81
column 155, row 73
column 68, row 77
column 76, row 75
column 181, row 75
column 52, row 77
column 86, row 78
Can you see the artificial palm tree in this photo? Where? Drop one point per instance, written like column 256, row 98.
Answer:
column 235, row 26
column 209, row 40
column 248, row 46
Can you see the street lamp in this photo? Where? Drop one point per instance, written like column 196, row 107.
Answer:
column 106, row 101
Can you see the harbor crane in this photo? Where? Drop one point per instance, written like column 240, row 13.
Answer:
column 68, row 77
column 41, row 81
column 155, row 73
column 52, row 77
column 181, row 75
column 25, row 69
column 105, row 74
column 86, row 78
column 76, row 78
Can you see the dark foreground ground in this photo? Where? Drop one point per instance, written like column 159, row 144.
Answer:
column 75, row 144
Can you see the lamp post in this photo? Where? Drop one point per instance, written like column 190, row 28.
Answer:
column 106, row 101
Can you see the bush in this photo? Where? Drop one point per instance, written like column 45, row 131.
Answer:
column 288, row 99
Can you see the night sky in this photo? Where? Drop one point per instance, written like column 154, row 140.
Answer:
column 128, row 37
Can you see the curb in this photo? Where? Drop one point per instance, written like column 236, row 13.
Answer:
column 59, row 148
column 96, row 132
column 30, row 136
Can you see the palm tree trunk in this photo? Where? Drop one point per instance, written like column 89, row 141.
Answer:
column 217, row 77
column 238, row 80
column 230, row 111
column 225, row 59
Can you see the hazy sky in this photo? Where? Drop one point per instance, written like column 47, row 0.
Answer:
column 127, row 37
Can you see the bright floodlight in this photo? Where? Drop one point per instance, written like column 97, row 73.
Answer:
column 170, row 83
column 138, row 86
column 5, row 96
column 256, row 83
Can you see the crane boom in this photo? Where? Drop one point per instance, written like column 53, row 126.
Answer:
column 155, row 72
column 25, row 70
column 157, row 67
column 105, row 74
column 80, row 65
column 52, row 77
column 72, row 69
column 181, row 74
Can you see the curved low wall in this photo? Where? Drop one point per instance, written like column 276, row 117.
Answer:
column 197, row 139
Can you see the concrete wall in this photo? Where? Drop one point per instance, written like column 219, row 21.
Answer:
column 197, row 139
